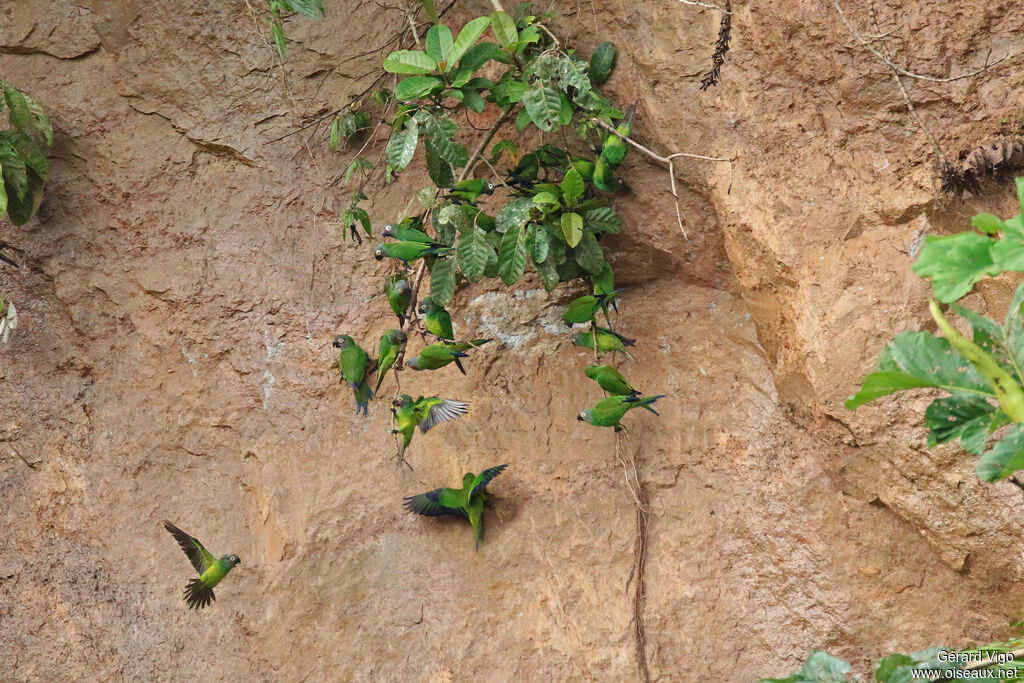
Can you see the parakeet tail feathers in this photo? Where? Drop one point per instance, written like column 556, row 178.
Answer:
column 197, row 595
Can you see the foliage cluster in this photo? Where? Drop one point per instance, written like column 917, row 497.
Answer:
column 23, row 146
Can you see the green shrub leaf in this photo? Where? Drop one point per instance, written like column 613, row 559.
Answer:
column 438, row 43
column 468, row 36
column 409, row 62
column 512, row 255
column 442, row 281
column 472, row 254
column 402, row 146
column 415, row 87
column 543, row 103
column 572, row 228
column 955, row 263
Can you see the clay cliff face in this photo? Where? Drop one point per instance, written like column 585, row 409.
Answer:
column 186, row 274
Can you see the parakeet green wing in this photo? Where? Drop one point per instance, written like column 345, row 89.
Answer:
column 484, row 478
column 437, row 410
column 435, row 503
column 200, row 558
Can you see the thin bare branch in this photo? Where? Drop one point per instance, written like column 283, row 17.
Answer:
column 695, row 3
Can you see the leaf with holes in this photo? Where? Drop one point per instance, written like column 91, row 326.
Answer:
column 543, row 103
column 1005, row 457
column 968, row 418
column 512, row 255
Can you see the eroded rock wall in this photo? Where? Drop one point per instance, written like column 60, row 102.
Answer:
column 186, row 274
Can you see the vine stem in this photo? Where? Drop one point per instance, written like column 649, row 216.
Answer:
column 625, row 453
column 668, row 161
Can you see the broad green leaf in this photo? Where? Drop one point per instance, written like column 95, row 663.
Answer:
column 504, row 147
column 900, row 668
column 522, row 120
column 409, row 62
column 572, row 187
column 335, row 134
column 472, row 253
column 504, row 29
column 363, row 218
column 442, row 281
column 514, row 214
column 986, row 222
column 818, row 668
column 512, row 255
column 602, row 219
column 415, row 87
column 402, row 145
column 476, row 57
column 431, row 10
column 21, row 209
column 40, row 121
column 572, row 228
column 438, row 43
column 1005, row 457
column 1019, row 183
column 564, row 110
column 277, row 34
column 507, row 91
column 548, row 273
column 967, row 418
column 468, row 36
column 1013, row 332
column 472, row 99
column 440, row 171
column 989, row 336
column 1008, row 252
column 541, row 246
column 543, row 103
column 3, row 192
column 18, row 112
column 917, row 360
column 29, row 152
column 452, row 214
column 15, row 172
column 441, row 129
column 311, row 8
column 547, row 198
column 589, row 255
column 604, row 282
column 955, row 262
column 601, row 62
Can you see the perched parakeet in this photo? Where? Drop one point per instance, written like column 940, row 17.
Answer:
column 439, row 322
column 608, row 412
column 468, row 191
column 614, row 149
column 407, row 234
column 584, row 309
column 425, row 412
column 607, row 340
column 437, row 356
column 584, row 167
column 604, row 175
column 399, row 292
column 355, row 366
column 212, row 570
column 611, row 380
column 409, row 251
column 467, row 501
column 391, row 344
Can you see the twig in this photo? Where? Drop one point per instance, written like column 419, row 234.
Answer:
column 668, row 161
column 31, row 465
column 412, row 25
column 695, row 3
column 721, row 49
column 636, row 489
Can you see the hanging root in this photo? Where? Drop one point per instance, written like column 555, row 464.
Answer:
column 625, row 452
column 992, row 160
column 721, row 49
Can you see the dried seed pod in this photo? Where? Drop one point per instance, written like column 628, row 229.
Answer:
column 992, row 160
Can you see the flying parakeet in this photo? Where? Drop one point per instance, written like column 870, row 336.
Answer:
column 437, row 356
column 425, row 412
column 611, row 380
column 607, row 340
column 399, row 292
column 584, row 309
column 199, row 592
column 467, row 501
column 391, row 344
column 355, row 366
column 608, row 412
column 409, row 251
column 468, row 191
column 439, row 322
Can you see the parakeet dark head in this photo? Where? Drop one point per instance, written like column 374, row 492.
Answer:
column 402, row 400
column 425, row 306
column 343, row 341
column 388, row 231
column 488, row 188
column 402, row 286
column 233, row 560
column 414, row 363
column 585, row 416
column 397, row 336
column 378, row 254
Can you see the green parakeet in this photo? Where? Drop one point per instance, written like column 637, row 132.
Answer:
column 608, row 412
column 437, row 356
column 439, row 322
column 611, row 380
column 391, row 344
column 584, row 167
column 604, row 175
column 607, row 340
column 425, row 412
column 399, row 293
column 407, row 234
column 614, row 149
column 467, row 501
column 409, row 251
column 584, row 309
column 212, row 570
column 355, row 366
column 468, row 191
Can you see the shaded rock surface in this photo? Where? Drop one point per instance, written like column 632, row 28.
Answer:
column 186, row 274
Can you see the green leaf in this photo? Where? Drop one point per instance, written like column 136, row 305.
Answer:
column 604, row 282
column 572, row 228
column 40, row 121
column 572, row 187
column 3, row 192
column 504, row 29
column 1019, row 183
column 311, row 8
column 1008, row 252
column 989, row 336
column 442, row 281
column 955, row 262
column 522, row 120
column 468, row 36
column 402, row 146
column 589, row 255
column 453, row 215
column 21, row 209
column 15, row 172
column 476, row 57
column 18, row 111
column 440, row 171
column 602, row 219
column 438, row 43
column 507, row 91
column 543, row 103
column 1005, row 457
column 512, row 255
column 916, row 360
column 986, row 222
column 541, row 247
column 546, row 199
column 514, row 214
column 968, row 418
column 441, row 129
column 430, row 9
column 504, row 147
column 415, row 87
column 472, row 253
column 335, row 134
column 277, row 33
column 29, row 152
column 409, row 62
column 472, row 99
column 602, row 60
column 818, row 668
column 1013, row 331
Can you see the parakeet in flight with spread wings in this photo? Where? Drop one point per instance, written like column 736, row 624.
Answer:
column 355, row 366
column 467, row 501
column 425, row 412
column 212, row 570
column 608, row 412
